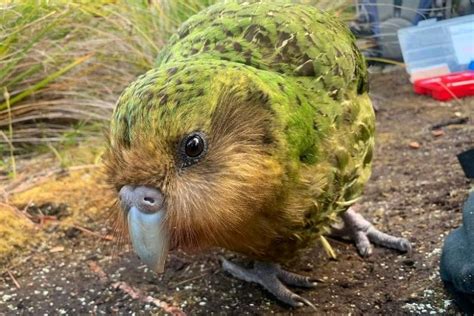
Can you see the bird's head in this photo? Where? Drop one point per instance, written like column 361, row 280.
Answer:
column 192, row 155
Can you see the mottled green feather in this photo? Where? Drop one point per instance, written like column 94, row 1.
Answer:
column 306, row 63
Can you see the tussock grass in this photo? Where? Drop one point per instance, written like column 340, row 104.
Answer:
column 63, row 63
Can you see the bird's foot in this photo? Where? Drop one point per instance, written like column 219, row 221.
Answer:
column 273, row 278
column 362, row 232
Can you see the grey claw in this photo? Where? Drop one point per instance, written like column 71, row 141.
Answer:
column 362, row 243
column 296, row 302
column 405, row 246
column 365, row 251
column 304, row 301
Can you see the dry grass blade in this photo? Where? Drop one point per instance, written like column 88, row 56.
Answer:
column 386, row 61
column 43, row 83
column 12, row 277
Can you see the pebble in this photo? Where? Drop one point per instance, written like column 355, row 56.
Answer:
column 6, row 297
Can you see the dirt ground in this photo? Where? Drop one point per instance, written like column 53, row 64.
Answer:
column 414, row 192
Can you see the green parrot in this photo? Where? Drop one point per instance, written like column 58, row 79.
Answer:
column 254, row 133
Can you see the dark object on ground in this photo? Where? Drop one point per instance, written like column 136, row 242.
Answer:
column 466, row 159
column 461, row 120
column 457, row 260
column 463, row 300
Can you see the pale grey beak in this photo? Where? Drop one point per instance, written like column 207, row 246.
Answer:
column 146, row 213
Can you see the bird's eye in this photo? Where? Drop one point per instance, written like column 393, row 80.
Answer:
column 193, row 148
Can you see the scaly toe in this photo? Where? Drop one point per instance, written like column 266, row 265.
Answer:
column 239, row 272
column 283, row 294
column 364, row 234
column 294, row 279
column 388, row 241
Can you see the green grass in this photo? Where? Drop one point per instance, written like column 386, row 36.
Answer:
column 63, row 64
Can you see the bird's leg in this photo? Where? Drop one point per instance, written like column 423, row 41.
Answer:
column 362, row 232
column 273, row 278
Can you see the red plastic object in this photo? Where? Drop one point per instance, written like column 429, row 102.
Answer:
column 446, row 87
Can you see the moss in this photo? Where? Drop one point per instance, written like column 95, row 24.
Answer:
column 81, row 195
column 16, row 232
column 84, row 192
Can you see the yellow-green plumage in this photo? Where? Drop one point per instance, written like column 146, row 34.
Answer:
column 293, row 86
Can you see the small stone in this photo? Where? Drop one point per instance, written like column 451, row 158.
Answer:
column 56, row 249
column 437, row 132
column 414, row 145
column 6, row 297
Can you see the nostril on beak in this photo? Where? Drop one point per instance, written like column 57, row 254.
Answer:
column 149, row 200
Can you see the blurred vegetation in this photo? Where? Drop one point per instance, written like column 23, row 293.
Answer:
column 63, row 65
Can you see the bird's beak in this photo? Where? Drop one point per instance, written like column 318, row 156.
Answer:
column 146, row 214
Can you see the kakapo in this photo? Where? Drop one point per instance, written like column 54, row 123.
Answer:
column 255, row 133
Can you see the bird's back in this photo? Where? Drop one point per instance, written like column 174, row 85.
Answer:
column 291, row 39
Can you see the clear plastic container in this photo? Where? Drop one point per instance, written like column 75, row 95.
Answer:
column 434, row 47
